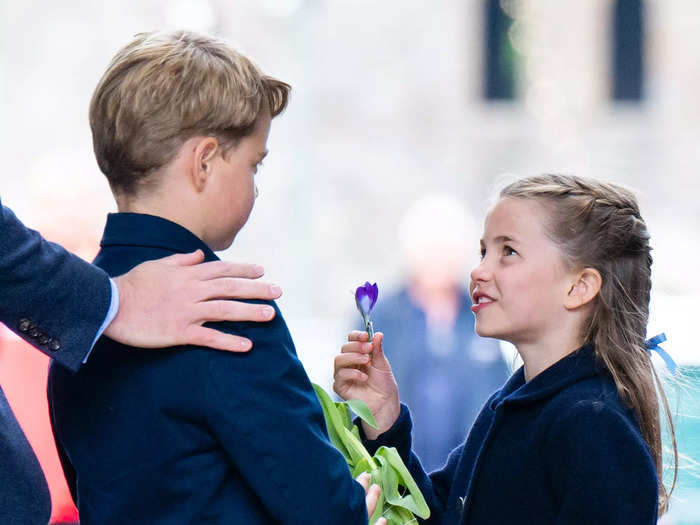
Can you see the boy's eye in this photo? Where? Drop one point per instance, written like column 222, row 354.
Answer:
column 482, row 253
column 507, row 250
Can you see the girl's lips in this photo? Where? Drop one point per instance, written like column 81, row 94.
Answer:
column 481, row 306
column 480, row 301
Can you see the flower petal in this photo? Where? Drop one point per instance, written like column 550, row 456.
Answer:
column 361, row 300
column 373, row 293
column 366, row 297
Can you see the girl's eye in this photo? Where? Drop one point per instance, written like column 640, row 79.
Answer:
column 482, row 253
column 507, row 250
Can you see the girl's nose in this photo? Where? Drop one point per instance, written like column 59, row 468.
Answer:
column 481, row 272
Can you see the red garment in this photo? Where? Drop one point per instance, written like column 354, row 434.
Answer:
column 23, row 374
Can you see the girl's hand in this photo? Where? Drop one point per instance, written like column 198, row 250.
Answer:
column 363, row 372
column 372, row 496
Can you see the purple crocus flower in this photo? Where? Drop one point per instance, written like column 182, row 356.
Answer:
column 365, row 299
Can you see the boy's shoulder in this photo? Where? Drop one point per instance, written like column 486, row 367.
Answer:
column 273, row 333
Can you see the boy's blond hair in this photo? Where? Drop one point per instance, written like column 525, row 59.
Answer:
column 166, row 87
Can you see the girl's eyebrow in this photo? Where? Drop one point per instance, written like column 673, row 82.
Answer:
column 504, row 238
column 500, row 238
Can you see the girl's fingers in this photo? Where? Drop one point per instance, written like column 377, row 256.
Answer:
column 348, row 375
column 377, row 341
column 379, row 360
column 358, row 335
column 349, row 361
column 356, row 348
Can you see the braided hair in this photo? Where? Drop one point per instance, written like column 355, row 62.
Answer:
column 598, row 225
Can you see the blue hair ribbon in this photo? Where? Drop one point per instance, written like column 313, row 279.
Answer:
column 653, row 344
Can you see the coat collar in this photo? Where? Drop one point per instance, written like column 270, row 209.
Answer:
column 575, row 367
column 138, row 229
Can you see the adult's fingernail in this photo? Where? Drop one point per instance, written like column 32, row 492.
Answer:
column 244, row 345
column 268, row 312
column 275, row 290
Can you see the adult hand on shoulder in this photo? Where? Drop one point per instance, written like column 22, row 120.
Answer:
column 165, row 302
column 372, row 495
column 363, row 372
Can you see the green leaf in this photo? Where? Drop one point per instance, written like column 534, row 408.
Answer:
column 360, row 467
column 414, row 501
column 363, row 412
column 357, row 450
column 391, row 488
column 334, row 421
column 399, row 516
column 344, row 414
column 386, row 468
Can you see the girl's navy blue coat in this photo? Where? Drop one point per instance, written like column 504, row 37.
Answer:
column 561, row 449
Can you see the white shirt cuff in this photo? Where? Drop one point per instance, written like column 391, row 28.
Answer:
column 111, row 314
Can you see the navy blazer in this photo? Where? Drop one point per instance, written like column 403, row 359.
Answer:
column 51, row 298
column 24, row 495
column 56, row 302
column 560, row 449
column 196, row 435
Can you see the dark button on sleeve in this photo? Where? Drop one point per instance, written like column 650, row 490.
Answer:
column 54, row 345
column 43, row 339
column 24, row 325
column 34, row 332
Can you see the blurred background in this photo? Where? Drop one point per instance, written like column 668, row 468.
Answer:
column 393, row 102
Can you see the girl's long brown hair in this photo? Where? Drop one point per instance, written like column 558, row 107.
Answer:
column 598, row 225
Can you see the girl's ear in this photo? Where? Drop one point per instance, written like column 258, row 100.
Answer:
column 205, row 151
column 584, row 288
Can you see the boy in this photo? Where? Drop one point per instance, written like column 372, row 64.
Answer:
column 180, row 123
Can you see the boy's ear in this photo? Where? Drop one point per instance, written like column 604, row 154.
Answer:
column 584, row 288
column 205, row 151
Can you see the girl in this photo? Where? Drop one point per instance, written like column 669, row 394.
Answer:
column 574, row 436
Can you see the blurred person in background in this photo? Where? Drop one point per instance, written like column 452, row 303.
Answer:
column 429, row 329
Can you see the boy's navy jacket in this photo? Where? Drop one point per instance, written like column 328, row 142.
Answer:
column 195, row 435
column 560, row 449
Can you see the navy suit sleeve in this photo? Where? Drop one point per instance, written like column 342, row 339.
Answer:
column 435, row 487
column 602, row 471
column 265, row 414
column 51, row 298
